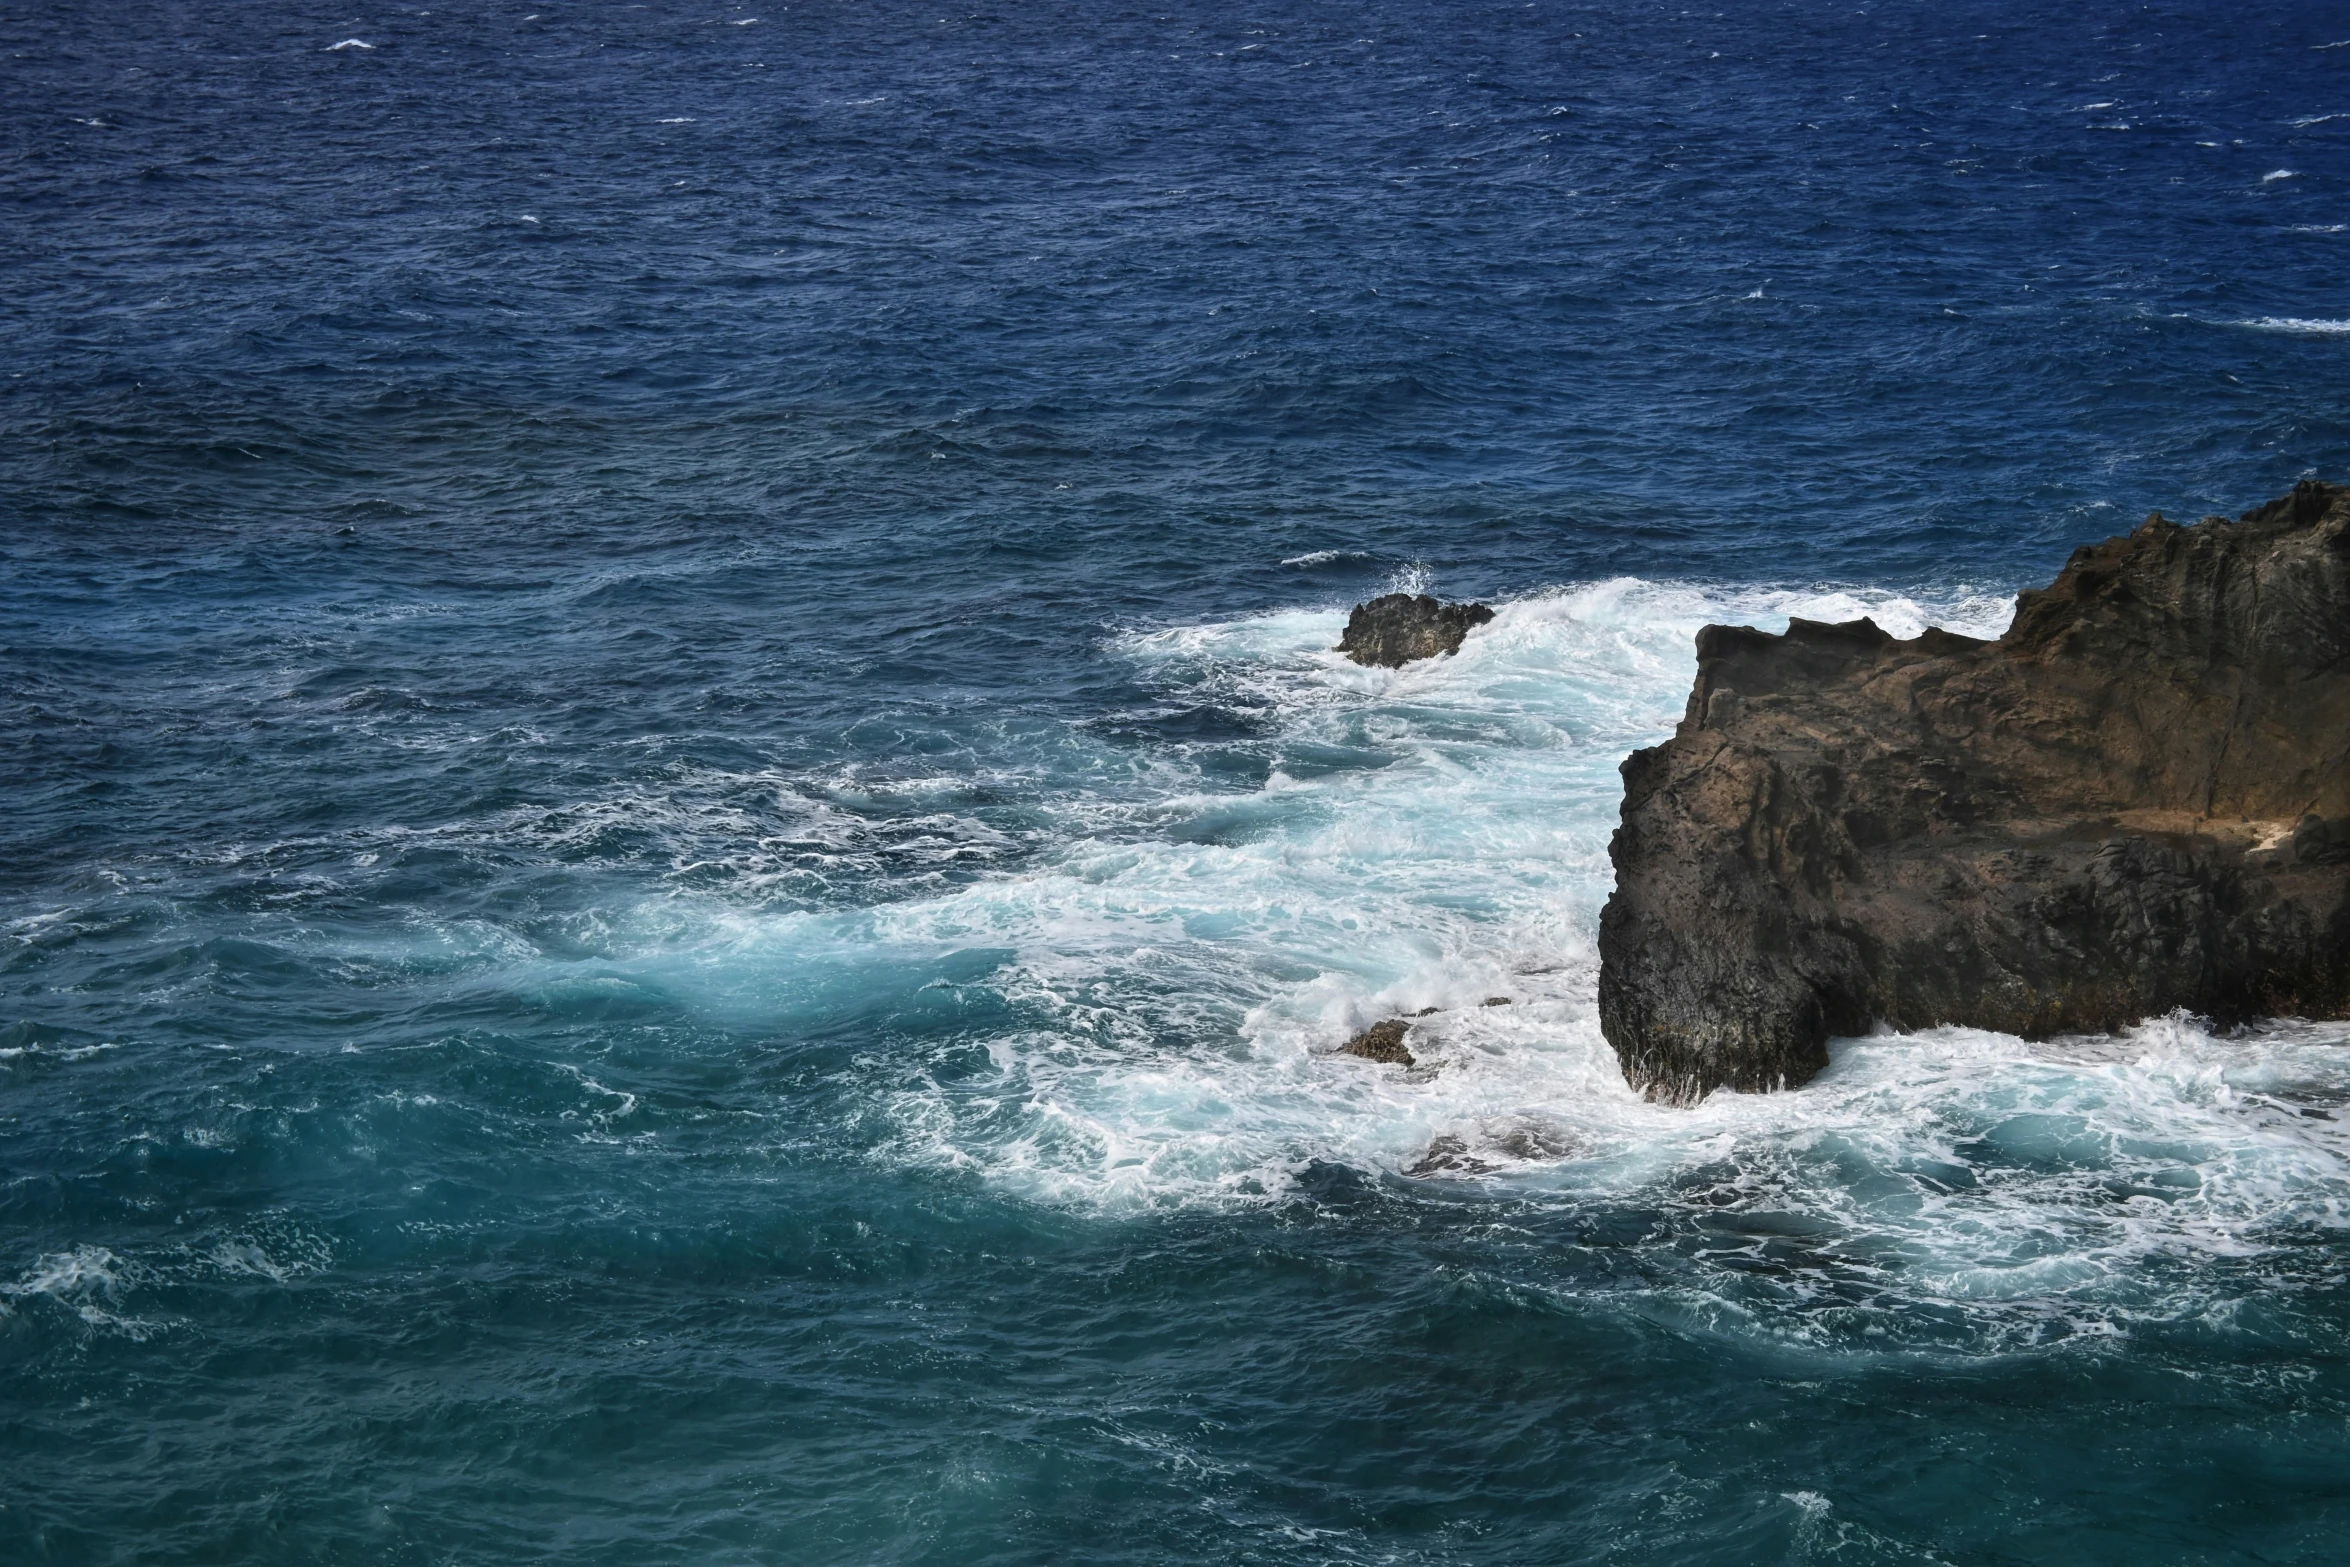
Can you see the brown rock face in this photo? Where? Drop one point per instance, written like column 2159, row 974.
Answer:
column 1396, row 628
column 1382, row 1042
column 2137, row 799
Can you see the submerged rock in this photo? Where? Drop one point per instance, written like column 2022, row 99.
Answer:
column 1448, row 1155
column 1525, row 1142
column 1394, row 629
column 2137, row 799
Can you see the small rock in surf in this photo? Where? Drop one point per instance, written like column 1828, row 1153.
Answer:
column 1448, row 1155
column 1396, row 628
column 1381, row 1042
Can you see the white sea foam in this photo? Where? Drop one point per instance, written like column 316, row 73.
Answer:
column 280, row 1256
column 2318, row 119
column 2298, row 324
column 88, row 1281
column 1159, row 990
column 1412, row 577
column 70, row 1053
column 2274, row 175
column 348, row 43
column 1431, row 836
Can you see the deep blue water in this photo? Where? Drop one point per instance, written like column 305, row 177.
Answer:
column 678, row 848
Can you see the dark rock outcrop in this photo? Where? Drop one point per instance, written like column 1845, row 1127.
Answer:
column 2137, row 799
column 1381, row 1042
column 1396, row 628
column 1384, row 1042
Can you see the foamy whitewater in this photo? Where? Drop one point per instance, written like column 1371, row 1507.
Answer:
column 682, row 854
column 1175, row 973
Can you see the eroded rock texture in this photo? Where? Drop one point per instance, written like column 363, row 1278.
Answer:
column 1383, row 1042
column 2137, row 799
column 1396, row 628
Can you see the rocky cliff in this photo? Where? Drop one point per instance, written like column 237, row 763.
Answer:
column 2138, row 799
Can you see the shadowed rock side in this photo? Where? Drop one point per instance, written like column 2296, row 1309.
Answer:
column 2138, row 799
column 1396, row 628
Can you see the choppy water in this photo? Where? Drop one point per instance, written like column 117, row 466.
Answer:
column 681, row 849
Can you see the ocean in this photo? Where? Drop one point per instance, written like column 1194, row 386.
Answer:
column 680, row 849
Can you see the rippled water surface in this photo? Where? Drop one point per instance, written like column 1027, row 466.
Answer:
column 680, row 849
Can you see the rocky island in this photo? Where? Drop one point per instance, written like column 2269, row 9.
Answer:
column 2137, row 799
column 1392, row 630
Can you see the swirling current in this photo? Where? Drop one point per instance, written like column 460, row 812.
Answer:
column 681, row 848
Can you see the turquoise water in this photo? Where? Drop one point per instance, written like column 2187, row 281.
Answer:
column 682, row 849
